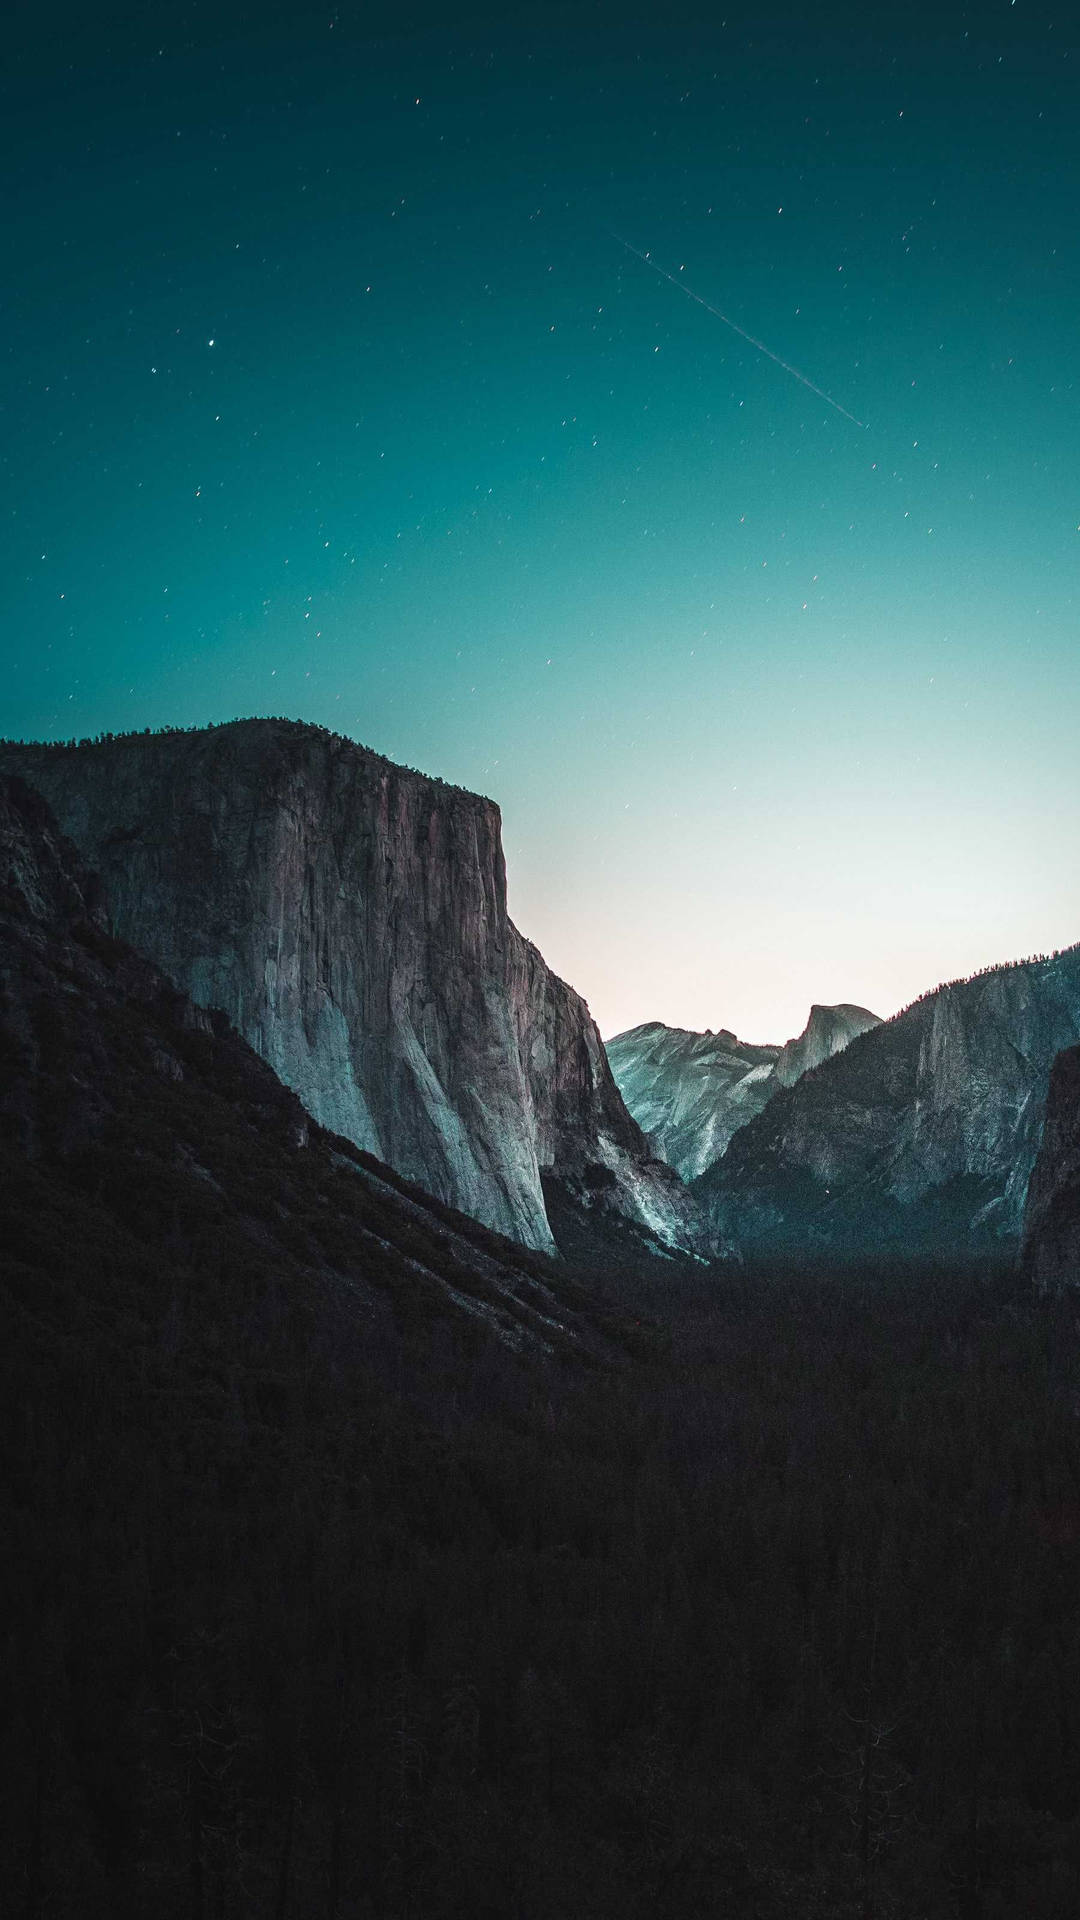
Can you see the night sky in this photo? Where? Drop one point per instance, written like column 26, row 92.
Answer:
column 332, row 391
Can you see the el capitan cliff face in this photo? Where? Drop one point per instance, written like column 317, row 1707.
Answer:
column 155, row 1172
column 350, row 917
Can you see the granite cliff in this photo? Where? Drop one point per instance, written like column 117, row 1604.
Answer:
column 691, row 1092
column 1051, row 1242
column 924, row 1130
column 349, row 917
column 147, row 1155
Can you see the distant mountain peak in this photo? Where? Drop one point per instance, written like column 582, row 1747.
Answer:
column 692, row 1091
column 827, row 1031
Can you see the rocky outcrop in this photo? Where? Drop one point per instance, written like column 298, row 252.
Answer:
column 829, row 1030
column 924, row 1130
column 349, row 916
column 1051, row 1241
column 692, row 1091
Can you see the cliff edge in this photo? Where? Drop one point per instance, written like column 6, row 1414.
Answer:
column 349, row 916
column 923, row 1131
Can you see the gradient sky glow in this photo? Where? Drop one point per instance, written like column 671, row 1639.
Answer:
column 330, row 394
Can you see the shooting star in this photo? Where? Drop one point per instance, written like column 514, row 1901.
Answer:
column 735, row 328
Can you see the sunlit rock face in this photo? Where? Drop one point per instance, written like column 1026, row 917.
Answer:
column 829, row 1030
column 349, row 916
column 1051, row 1242
column 923, row 1131
column 692, row 1091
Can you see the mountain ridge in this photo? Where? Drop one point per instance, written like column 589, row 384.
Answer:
column 925, row 1127
column 692, row 1091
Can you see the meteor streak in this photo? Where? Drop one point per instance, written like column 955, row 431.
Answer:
column 735, row 328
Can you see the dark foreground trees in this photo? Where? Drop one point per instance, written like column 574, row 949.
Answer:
column 311, row 1614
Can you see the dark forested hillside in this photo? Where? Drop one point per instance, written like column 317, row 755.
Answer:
column 359, row 1565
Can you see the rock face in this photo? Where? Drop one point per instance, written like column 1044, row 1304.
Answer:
column 924, row 1130
column 1051, row 1242
column 146, row 1152
column 692, row 1091
column 349, row 916
column 829, row 1030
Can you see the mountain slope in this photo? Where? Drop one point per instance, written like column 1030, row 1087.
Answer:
column 925, row 1129
column 691, row 1092
column 349, row 916
column 1051, row 1243
column 828, row 1030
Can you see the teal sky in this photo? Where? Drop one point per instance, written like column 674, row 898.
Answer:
column 330, row 393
